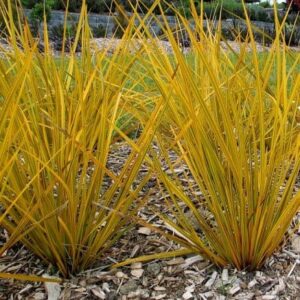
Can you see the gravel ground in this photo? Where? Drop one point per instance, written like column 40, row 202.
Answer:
column 100, row 44
column 103, row 43
column 188, row 277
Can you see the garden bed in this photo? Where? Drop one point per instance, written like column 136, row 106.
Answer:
column 187, row 277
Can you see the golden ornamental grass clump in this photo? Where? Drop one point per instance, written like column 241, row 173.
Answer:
column 59, row 120
column 232, row 119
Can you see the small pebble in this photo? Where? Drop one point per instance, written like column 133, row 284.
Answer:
column 154, row 269
column 128, row 287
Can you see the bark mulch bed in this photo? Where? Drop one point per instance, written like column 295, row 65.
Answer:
column 188, row 277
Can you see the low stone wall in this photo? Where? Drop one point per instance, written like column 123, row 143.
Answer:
column 95, row 20
column 58, row 17
column 108, row 22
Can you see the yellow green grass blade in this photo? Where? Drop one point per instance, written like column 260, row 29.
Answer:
column 28, row 278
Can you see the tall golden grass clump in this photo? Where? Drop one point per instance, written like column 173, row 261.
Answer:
column 59, row 119
column 233, row 125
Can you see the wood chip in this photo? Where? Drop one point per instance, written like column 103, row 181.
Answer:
column 121, row 275
column 177, row 171
column 268, row 297
column 52, row 289
column 207, row 295
column 80, row 290
column 105, row 287
column 225, row 275
column 192, row 260
column 280, row 287
column 252, row 283
column 14, row 268
column 212, row 279
column 190, row 288
column 26, row 289
column 296, row 244
column 39, row 296
column 175, row 261
column 138, row 273
column 99, row 293
column 144, row 230
column 234, row 290
column 187, row 295
column 220, row 297
column 162, row 296
column 134, row 251
column 137, row 265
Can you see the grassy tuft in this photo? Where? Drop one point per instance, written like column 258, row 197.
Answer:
column 236, row 137
column 59, row 195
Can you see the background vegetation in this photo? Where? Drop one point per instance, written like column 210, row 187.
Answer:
column 224, row 8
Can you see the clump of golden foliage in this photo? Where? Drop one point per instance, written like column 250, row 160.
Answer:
column 230, row 116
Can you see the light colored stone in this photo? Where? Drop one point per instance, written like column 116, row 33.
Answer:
column 128, row 287
column 154, row 268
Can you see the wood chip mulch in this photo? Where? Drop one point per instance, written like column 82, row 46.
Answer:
column 189, row 277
